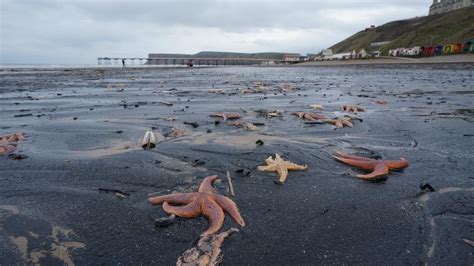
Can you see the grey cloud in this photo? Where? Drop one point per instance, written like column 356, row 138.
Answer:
column 81, row 30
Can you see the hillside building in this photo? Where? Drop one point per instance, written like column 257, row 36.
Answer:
column 443, row 6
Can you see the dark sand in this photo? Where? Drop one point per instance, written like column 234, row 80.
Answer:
column 52, row 212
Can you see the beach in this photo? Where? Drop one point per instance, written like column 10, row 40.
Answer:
column 387, row 60
column 78, row 192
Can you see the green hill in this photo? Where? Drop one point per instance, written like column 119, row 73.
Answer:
column 456, row 26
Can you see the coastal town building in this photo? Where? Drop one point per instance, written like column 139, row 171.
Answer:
column 341, row 56
column 326, row 54
column 443, row 6
column 291, row 57
column 358, row 54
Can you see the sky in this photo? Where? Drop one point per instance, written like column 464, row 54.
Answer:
column 79, row 31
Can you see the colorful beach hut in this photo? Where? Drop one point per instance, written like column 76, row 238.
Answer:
column 439, row 49
column 469, row 47
column 457, row 48
column 448, row 49
column 427, row 50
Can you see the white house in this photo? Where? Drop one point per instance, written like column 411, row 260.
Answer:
column 359, row 53
column 341, row 56
column 393, row 52
column 326, row 54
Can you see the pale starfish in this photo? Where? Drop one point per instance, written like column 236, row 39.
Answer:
column 379, row 101
column 244, row 125
column 176, row 133
column 280, row 166
column 309, row 116
column 340, row 122
column 316, row 106
column 7, row 142
column 379, row 168
column 350, row 108
column 205, row 202
column 15, row 137
column 226, row 116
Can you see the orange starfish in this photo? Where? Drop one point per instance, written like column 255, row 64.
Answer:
column 309, row 116
column 205, row 202
column 226, row 116
column 379, row 168
column 340, row 122
column 7, row 142
column 352, row 108
column 379, row 101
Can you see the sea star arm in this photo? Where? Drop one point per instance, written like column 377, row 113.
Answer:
column 214, row 214
column 316, row 116
column 188, row 211
column 366, row 165
column 309, row 117
column 380, row 170
column 206, row 185
column 231, row 208
column 270, row 160
column 292, row 166
column 298, row 114
column 221, row 115
column 283, row 173
column 396, row 165
column 353, row 157
column 347, row 123
column 6, row 148
column 266, row 168
column 179, row 198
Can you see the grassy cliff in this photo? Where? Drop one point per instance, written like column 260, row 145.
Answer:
column 445, row 28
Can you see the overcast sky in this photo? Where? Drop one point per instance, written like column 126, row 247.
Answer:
column 79, row 31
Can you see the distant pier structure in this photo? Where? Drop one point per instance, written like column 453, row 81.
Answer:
column 118, row 61
column 194, row 61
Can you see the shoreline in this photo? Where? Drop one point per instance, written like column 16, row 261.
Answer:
column 451, row 59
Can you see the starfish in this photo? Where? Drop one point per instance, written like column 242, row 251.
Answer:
column 309, row 116
column 280, row 166
column 245, row 125
column 379, row 101
column 7, row 142
column 352, row 108
column 15, row 137
column 176, row 133
column 316, row 106
column 226, row 116
column 205, row 202
column 340, row 122
column 379, row 168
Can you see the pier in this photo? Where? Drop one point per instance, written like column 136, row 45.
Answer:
column 170, row 61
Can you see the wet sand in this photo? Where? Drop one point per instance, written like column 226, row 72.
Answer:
column 83, row 129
